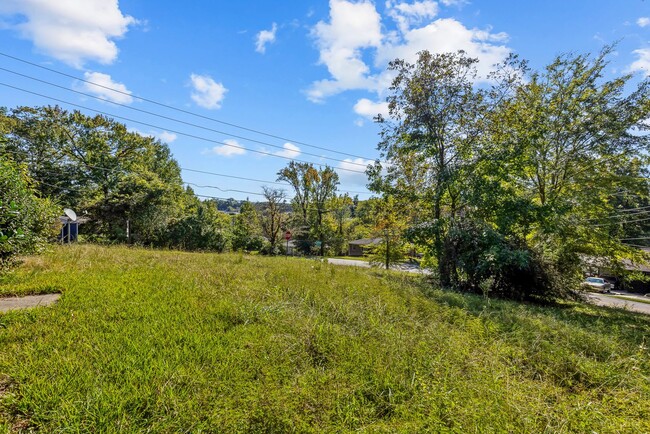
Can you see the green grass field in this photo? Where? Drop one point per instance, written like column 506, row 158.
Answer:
column 152, row 341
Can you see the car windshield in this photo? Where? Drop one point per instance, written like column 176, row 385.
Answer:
column 595, row 280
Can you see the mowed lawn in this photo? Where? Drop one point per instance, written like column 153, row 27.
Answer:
column 154, row 341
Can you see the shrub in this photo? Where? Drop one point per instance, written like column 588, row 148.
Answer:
column 26, row 221
column 486, row 262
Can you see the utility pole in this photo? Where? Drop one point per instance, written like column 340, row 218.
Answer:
column 387, row 250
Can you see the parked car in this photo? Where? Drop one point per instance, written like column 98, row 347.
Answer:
column 596, row 284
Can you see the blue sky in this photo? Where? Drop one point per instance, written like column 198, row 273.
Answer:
column 307, row 72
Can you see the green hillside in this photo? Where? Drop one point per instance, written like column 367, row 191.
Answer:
column 153, row 341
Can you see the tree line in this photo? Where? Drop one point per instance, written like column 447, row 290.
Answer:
column 509, row 184
column 113, row 177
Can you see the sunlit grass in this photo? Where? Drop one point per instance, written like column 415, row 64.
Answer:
column 176, row 342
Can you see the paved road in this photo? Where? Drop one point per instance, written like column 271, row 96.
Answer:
column 349, row 262
column 604, row 300
column 13, row 303
column 410, row 268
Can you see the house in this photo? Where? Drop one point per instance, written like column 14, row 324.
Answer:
column 357, row 247
column 630, row 276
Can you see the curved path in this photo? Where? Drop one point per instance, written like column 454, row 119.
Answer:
column 13, row 303
column 604, row 300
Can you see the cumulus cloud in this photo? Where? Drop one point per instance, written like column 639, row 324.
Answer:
column 167, row 137
column 352, row 27
column 207, row 93
column 69, row 30
column 290, row 151
column 369, row 109
column 229, row 148
column 642, row 64
column 408, row 14
column 163, row 136
column 449, row 35
column 353, row 171
column 103, row 86
column 643, row 21
column 355, row 45
column 264, row 38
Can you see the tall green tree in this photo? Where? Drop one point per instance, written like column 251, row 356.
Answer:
column 246, row 231
column 27, row 222
column 95, row 165
column 435, row 122
column 301, row 177
column 314, row 189
column 273, row 219
column 521, row 178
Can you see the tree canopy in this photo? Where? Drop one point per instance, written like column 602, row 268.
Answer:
column 539, row 160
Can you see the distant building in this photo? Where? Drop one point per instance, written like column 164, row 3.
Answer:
column 358, row 247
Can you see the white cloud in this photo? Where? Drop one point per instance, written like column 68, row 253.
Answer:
column 407, row 14
column 355, row 47
column 163, row 136
column 642, row 64
column 369, row 109
column 449, row 35
column 70, row 30
column 207, row 93
column 103, row 86
column 264, row 38
column 353, row 171
column 290, row 151
column 228, row 149
column 167, row 137
column 352, row 27
column 643, row 21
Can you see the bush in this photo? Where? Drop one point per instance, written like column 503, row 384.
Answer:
column 486, row 262
column 26, row 222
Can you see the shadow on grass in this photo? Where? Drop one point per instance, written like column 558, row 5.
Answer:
column 617, row 323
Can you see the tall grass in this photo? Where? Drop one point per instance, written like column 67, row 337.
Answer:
column 152, row 341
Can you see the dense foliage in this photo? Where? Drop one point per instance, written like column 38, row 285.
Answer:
column 112, row 177
column 511, row 183
column 27, row 222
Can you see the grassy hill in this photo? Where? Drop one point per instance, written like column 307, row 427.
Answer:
column 176, row 342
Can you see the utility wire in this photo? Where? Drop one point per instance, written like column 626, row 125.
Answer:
column 270, row 154
column 252, row 130
column 177, row 120
column 623, row 222
column 222, row 189
column 191, row 124
column 195, row 171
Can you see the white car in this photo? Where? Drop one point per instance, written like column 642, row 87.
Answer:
column 596, row 284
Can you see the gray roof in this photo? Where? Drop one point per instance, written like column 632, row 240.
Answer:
column 366, row 241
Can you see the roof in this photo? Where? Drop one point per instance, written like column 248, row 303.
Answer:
column 626, row 264
column 366, row 241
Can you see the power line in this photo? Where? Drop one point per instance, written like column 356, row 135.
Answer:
column 270, row 154
column 222, row 189
column 252, row 130
column 196, row 171
column 177, row 120
column 624, row 222
column 261, row 181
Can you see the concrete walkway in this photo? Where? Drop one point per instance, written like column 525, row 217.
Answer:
column 13, row 303
column 604, row 300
